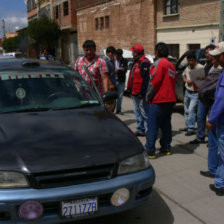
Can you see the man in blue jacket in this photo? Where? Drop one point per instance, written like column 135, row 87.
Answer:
column 216, row 118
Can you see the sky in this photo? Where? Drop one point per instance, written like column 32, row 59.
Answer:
column 14, row 13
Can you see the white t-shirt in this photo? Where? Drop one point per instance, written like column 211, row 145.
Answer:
column 186, row 73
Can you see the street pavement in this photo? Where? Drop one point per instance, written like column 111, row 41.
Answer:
column 181, row 195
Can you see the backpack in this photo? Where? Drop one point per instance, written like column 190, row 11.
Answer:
column 207, row 88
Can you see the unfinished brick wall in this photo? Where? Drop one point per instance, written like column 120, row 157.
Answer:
column 131, row 22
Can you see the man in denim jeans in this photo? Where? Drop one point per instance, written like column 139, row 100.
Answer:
column 137, row 85
column 191, row 94
column 161, row 97
column 213, row 156
column 202, row 108
column 216, row 118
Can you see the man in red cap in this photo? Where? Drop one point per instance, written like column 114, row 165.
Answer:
column 137, row 85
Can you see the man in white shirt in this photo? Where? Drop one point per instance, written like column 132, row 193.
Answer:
column 191, row 94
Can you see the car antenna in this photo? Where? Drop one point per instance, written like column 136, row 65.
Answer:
column 93, row 83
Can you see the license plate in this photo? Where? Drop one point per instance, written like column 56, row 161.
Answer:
column 79, row 207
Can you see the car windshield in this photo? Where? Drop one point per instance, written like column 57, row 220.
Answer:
column 44, row 90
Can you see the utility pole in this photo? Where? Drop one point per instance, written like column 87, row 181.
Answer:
column 221, row 21
column 3, row 29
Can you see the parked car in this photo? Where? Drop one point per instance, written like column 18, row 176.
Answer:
column 64, row 156
column 180, row 67
column 14, row 54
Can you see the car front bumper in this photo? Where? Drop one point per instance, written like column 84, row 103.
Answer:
column 139, row 184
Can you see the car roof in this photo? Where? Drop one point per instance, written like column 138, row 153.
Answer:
column 24, row 64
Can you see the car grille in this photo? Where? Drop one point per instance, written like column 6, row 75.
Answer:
column 72, row 177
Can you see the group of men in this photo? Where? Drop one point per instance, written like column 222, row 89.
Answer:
column 197, row 105
column 152, row 88
column 108, row 73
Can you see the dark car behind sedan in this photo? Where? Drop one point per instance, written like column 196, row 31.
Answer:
column 63, row 155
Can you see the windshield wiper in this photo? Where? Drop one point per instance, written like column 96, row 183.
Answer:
column 78, row 106
column 34, row 109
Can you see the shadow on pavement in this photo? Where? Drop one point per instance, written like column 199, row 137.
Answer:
column 154, row 211
column 184, row 149
column 179, row 108
column 129, row 121
column 128, row 112
column 176, row 133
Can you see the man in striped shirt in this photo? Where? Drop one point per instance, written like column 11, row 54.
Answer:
column 96, row 66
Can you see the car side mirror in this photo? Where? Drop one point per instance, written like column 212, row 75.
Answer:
column 130, row 64
column 110, row 95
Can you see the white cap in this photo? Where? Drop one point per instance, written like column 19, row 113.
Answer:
column 219, row 49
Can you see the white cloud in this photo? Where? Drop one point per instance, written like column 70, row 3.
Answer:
column 15, row 21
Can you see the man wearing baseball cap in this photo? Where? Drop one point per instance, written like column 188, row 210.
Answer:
column 137, row 85
column 216, row 120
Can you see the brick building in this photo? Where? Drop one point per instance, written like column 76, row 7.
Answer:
column 121, row 23
column 65, row 15
column 186, row 25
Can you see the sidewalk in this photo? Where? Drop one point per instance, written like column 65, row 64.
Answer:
column 178, row 181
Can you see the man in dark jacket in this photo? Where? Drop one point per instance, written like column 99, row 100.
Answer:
column 161, row 97
column 137, row 85
column 202, row 110
column 109, row 59
column 121, row 66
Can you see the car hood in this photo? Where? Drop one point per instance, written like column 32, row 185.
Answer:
column 65, row 139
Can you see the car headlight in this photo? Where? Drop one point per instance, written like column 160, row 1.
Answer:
column 134, row 163
column 10, row 179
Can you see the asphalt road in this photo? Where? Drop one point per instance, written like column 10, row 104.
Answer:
column 181, row 195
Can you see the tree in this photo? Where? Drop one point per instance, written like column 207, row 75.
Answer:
column 44, row 32
column 10, row 44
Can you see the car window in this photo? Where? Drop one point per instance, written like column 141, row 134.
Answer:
column 21, row 91
column 184, row 62
column 130, row 62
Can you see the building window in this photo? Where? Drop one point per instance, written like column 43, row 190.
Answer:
column 192, row 47
column 97, row 27
column 65, row 6
column 56, row 11
column 107, row 22
column 174, row 50
column 101, row 23
column 171, row 7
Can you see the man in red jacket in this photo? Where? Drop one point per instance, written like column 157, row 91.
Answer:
column 161, row 97
column 137, row 85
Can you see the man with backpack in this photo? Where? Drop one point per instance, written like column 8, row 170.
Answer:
column 161, row 97
column 137, row 85
column 202, row 110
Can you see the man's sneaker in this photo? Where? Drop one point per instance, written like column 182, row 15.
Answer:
column 139, row 134
column 196, row 141
column 152, row 155
column 119, row 112
column 218, row 191
column 189, row 133
column 165, row 151
column 183, row 129
column 207, row 174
